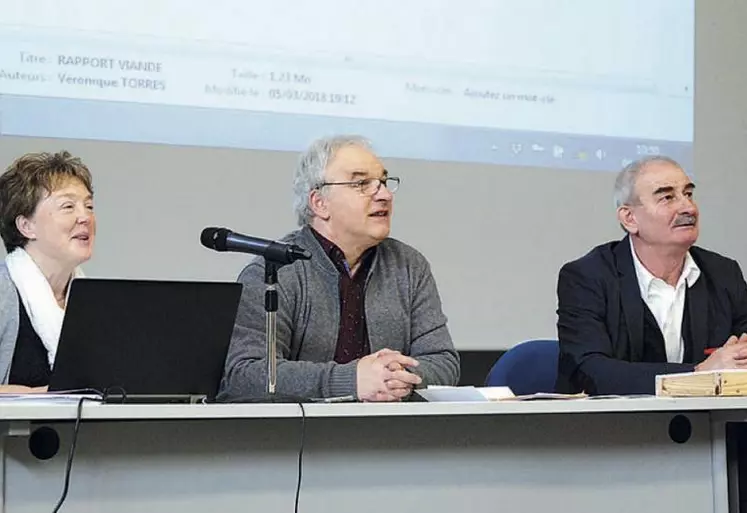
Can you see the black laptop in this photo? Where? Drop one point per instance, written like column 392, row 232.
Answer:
column 144, row 340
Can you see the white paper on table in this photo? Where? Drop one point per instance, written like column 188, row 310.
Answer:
column 439, row 394
column 48, row 398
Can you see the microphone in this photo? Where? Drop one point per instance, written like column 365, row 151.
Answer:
column 223, row 239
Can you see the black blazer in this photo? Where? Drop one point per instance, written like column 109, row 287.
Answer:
column 601, row 316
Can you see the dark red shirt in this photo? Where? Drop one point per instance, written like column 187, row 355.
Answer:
column 352, row 335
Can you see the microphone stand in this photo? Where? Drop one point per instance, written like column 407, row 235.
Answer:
column 276, row 255
column 271, row 310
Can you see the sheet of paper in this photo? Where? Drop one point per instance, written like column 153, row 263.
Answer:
column 47, row 398
column 463, row 394
column 544, row 396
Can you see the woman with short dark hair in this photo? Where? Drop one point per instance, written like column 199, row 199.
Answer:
column 48, row 227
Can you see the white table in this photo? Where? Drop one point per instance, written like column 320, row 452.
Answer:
column 611, row 455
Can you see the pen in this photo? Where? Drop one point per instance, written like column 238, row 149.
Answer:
column 710, row 350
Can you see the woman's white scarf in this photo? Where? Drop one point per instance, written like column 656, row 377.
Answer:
column 38, row 299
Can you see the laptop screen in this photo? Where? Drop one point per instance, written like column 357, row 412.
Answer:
column 145, row 337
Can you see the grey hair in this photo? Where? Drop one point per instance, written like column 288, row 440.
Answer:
column 624, row 193
column 311, row 166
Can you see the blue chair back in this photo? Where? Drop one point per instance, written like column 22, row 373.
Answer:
column 527, row 368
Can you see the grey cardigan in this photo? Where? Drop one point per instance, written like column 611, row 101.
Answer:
column 403, row 312
column 9, row 319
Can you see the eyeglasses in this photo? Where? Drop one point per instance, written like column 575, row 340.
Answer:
column 369, row 186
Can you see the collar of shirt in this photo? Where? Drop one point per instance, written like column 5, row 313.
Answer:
column 690, row 273
column 337, row 257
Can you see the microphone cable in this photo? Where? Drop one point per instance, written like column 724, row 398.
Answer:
column 300, row 456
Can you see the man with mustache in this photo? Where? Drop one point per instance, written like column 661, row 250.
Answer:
column 651, row 303
column 363, row 317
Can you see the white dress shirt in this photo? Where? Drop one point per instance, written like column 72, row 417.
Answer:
column 667, row 303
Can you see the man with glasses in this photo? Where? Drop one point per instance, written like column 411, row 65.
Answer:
column 362, row 318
